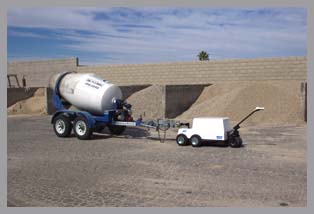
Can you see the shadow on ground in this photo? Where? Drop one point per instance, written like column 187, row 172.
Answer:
column 130, row 132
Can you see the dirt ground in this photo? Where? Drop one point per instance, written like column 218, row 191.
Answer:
column 136, row 170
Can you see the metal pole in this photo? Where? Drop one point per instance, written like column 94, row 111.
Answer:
column 9, row 81
column 305, row 104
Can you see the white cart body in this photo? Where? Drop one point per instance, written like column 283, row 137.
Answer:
column 208, row 128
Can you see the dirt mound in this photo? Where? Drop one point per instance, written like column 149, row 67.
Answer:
column 236, row 99
column 39, row 92
column 33, row 105
column 148, row 102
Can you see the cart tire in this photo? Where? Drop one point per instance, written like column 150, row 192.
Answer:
column 81, row 129
column 62, row 125
column 116, row 130
column 182, row 140
column 235, row 142
column 196, row 141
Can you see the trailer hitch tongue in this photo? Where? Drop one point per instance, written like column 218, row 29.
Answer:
column 161, row 126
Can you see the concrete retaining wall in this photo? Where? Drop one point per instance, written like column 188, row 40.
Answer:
column 15, row 95
column 37, row 73
column 128, row 90
column 50, row 107
column 180, row 97
column 303, row 99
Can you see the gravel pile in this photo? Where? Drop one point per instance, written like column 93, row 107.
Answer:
column 149, row 102
column 33, row 105
column 282, row 102
column 235, row 100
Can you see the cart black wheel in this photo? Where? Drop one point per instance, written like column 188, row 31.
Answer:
column 235, row 142
column 62, row 125
column 182, row 140
column 99, row 129
column 81, row 129
column 116, row 130
column 196, row 141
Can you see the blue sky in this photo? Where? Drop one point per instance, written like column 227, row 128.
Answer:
column 153, row 35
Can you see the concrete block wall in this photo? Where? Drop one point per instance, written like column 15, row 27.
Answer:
column 50, row 107
column 179, row 98
column 128, row 90
column 37, row 73
column 15, row 95
column 203, row 72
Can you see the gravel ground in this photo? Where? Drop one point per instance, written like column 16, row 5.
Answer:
column 134, row 170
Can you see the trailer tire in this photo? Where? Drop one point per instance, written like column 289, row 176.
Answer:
column 196, row 141
column 235, row 142
column 182, row 140
column 116, row 130
column 81, row 129
column 62, row 125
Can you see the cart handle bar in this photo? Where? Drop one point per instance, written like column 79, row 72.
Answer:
column 236, row 127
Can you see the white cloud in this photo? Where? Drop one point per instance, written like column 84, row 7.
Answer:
column 26, row 34
column 170, row 35
column 54, row 18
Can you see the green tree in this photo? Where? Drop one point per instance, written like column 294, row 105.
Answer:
column 203, row 56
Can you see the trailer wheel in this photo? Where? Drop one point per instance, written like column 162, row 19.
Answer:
column 196, row 141
column 81, row 129
column 62, row 126
column 182, row 140
column 116, row 130
column 235, row 142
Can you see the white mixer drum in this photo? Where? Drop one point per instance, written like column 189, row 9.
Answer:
column 88, row 92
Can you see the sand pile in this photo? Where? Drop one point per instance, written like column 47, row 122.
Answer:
column 149, row 100
column 236, row 99
column 33, row 105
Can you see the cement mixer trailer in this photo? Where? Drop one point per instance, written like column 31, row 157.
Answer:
column 86, row 103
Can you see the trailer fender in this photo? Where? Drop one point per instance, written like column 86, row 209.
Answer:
column 89, row 118
column 65, row 112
